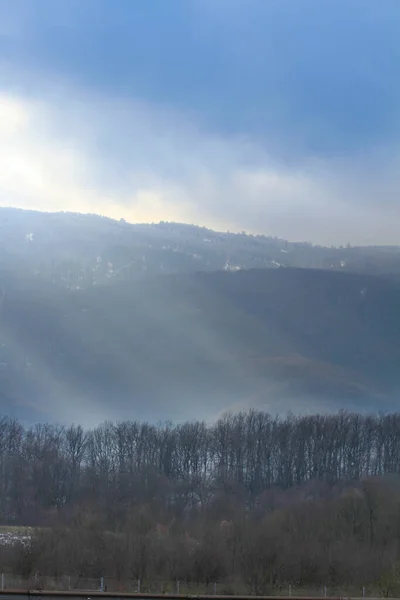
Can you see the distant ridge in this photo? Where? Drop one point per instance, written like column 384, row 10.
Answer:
column 76, row 251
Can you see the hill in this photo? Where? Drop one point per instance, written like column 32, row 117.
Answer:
column 193, row 345
column 76, row 251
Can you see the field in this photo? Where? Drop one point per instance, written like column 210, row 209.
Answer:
column 12, row 535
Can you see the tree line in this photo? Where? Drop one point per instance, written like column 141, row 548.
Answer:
column 251, row 501
column 47, row 468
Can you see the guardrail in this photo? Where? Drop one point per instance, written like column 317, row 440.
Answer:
column 144, row 596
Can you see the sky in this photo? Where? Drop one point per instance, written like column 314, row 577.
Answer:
column 279, row 117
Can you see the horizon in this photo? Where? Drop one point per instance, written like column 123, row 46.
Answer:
column 198, row 226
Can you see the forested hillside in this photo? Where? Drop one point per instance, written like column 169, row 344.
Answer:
column 75, row 250
column 189, row 345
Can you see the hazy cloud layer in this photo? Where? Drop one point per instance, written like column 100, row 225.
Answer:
column 273, row 117
column 80, row 152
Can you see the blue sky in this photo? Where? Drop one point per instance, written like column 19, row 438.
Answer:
column 275, row 116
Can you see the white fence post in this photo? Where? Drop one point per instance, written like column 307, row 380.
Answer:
column 102, row 584
column 363, row 592
column 2, row 581
column 138, row 586
column 177, row 587
column 290, row 590
column 325, row 591
column 215, row 587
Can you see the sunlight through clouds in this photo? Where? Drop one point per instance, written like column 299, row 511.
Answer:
column 85, row 153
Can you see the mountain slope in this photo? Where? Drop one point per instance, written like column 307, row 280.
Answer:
column 192, row 345
column 75, row 250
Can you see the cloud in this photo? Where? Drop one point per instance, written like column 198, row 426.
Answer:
column 273, row 70
column 69, row 149
column 234, row 115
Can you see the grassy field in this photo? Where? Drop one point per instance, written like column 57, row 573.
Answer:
column 15, row 530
